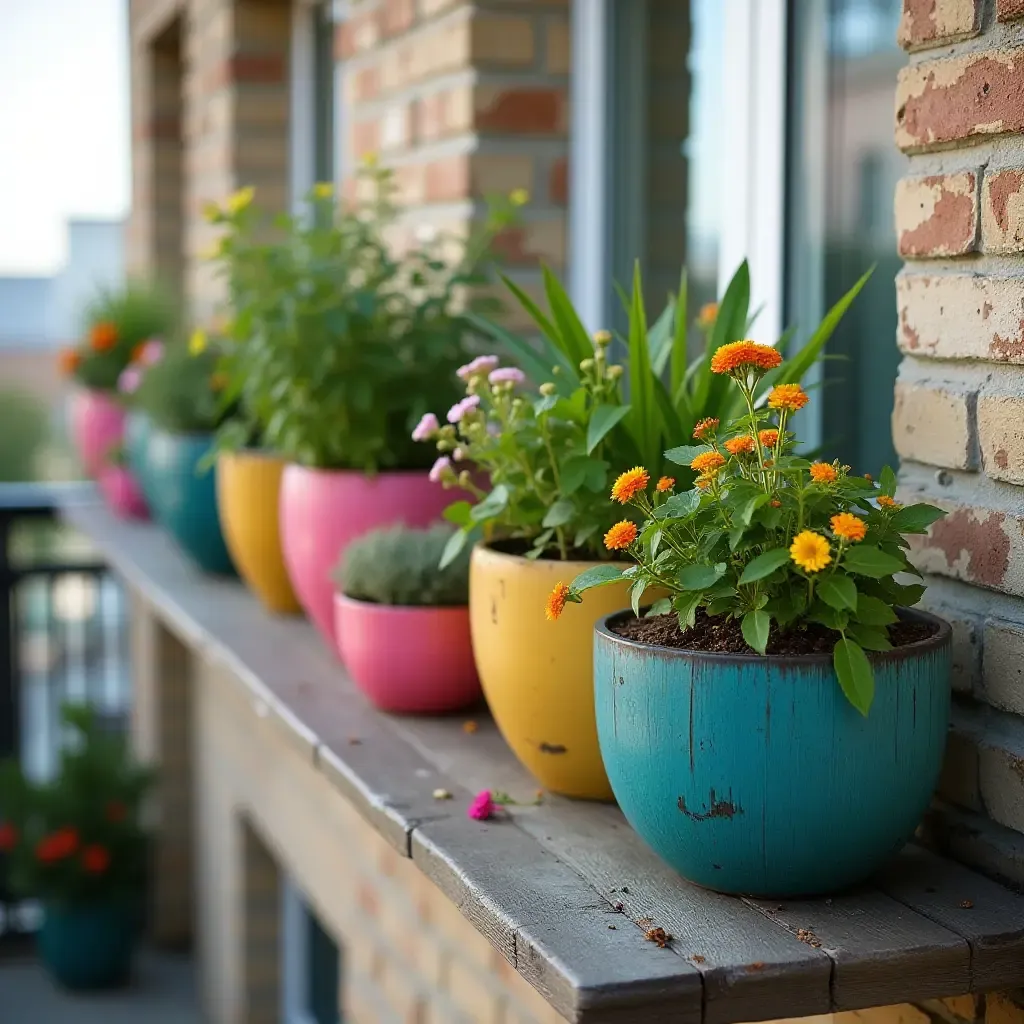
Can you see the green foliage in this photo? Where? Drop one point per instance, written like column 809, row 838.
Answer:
column 772, row 540
column 24, row 431
column 555, row 451
column 399, row 566
column 56, row 833
column 182, row 392
column 115, row 323
column 338, row 347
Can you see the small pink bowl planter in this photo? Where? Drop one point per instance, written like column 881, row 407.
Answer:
column 408, row 660
column 122, row 493
column 97, row 425
column 322, row 511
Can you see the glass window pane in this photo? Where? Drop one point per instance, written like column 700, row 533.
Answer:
column 843, row 168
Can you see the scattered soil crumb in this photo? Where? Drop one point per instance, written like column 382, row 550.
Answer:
column 617, row 907
column 354, row 741
column 967, row 905
column 697, row 958
column 658, row 936
column 756, row 966
column 470, row 726
column 645, row 921
column 806, row 935
column 724, row 636
column 613, row 927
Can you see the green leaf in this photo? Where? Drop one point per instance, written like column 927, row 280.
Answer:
column 833, row 618
column 575, row 341
column 686, row 606
column 869, row 637
column 583, row 534
column 456, row 543
column 459, row 513
column 685, row 454
column 748, row 510
column 730, row 325
column 700, row 577
column 915, row 518
column 545, row 404
column 598, row 576
column 602, row 420
column 873, row 611
column 678, row 365
column 493, row 505
column 635, row 593
column 887, row 481
column 560, row 513
column 755, row 627
column 854, row 672
column 537, row 366
column 643, row 418
column 660, row 607
column 839, row 592
column 868, row 560
column 679, row 506
column 764, row 565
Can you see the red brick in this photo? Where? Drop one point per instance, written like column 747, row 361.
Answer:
column 1007, row 10
column 935, row 22
column 931, row 422
column 558, row 184
column 366, row 83
column 365, row 138
column 1001, row 436
column 397, row 16
column 937, row 215
column 961, row 316
column 521, row 111
column 943, row 101
column 1002, row 211
column 446, row 180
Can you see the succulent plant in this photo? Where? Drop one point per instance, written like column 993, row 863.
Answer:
column 398, row 565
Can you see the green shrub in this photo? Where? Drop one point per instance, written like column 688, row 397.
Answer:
column 399, row 566
column 24, row 432
column 181, row 392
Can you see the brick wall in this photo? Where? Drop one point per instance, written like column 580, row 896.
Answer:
column 958, row 423
column 464, row 99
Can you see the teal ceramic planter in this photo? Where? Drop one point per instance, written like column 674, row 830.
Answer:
column 136, row 449
column 88, row 947
column 183, row 497
column 755, row 775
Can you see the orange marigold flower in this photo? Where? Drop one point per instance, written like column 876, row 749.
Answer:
column 69, row 361
column 556, row 601
column 57, row 845
column 775, row 503
column 823, row 473
column 703, row 482
column 630, row 484
column 768, row 438
column 746, row 355
column 739, row 445
column 886, row 502
column 708, row 314
column 810, row 551
column 788, row 396
column 708, row 425
column 708, row 462
column 137, row 352
column 849, row 526
column 666, row 483
column 620, row 536
column 95, row 859
column 103, row 336
column 868, row 477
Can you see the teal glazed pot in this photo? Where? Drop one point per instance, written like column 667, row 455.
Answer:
column 136, row 449
column 183, row 497
column 88, row 947
column 754, row 775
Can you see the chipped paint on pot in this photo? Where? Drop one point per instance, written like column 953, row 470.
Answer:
column 755, row 775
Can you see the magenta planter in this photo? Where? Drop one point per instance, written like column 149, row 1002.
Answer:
column 122, row 493
column 408, row 660
column 322, row 511
column 97, row 425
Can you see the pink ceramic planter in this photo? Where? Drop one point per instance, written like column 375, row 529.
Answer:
column 408, row 660
column 97, row 425
column 122, row 493
column 322, row 511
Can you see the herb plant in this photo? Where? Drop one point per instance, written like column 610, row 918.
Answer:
column 118, row 322
column 339, row 346
column 398, row 566
column 77, row 839
column 765, row 537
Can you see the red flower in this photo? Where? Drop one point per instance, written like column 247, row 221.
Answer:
column 116, row 811
column 482, row 807
column 95, row 859
column 57, row 845
column 8, row 837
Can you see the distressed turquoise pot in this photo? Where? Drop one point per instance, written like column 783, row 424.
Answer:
column 183, row 497
column 88, row 947
column 755, row 775
column 136, row 449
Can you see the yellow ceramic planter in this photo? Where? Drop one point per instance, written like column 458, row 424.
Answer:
column 538, row 675
column 248, row 488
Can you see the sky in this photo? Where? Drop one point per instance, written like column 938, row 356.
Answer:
column 64, row 124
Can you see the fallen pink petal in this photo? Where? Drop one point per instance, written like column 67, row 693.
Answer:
column 482, row 807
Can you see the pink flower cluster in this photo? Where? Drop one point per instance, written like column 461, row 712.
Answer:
column 459, row 409
column 478, row 367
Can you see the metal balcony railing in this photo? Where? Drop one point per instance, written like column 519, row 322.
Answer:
column 63, row 638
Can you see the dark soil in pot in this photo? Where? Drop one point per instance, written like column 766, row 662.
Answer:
column 724, row 636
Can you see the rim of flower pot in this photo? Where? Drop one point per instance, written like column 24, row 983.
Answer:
column 185, row 435
column 355, row 602
column 938, row 639
column 323, row 471
column 483, row 545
